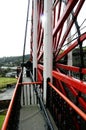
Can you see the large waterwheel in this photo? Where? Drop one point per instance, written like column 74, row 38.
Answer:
column 69, row 67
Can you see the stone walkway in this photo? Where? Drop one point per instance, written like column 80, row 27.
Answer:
column 32, row 118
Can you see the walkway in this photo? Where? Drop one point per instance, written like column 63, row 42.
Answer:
column 32, row 118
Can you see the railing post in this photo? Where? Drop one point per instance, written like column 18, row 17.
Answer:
column 48, row 93
column 47, row 44
column 35, row 21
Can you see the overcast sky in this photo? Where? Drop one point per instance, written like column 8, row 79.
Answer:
column 12, row 26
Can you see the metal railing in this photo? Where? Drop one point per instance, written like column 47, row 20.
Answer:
column 12, row 116
column 33, row 95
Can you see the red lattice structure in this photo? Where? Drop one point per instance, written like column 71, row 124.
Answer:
column 66, row 95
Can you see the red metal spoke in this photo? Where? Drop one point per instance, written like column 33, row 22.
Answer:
column 71, row 4
column 71, row 68
column 79, row 85
column 57, row 38
column 40, row 41
column 40, row 56
column 70, row 26
column 80, row 99
column 71, row 47
column 60, row 85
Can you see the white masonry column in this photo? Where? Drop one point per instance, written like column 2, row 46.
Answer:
column 69, row 62
column 35, row 21
column 47, row 45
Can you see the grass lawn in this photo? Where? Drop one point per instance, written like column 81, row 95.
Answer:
column 4, row 81
column 2, row 117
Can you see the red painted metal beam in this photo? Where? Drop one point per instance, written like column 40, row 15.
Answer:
column 61, row 85
column 70, row 25
column 71, row 68
column 40, row 56
column 40, row 67
column 77, row 84
column 71, row 47
column 40, row 41
column 54, row 6
column 80, row 99
column 71, row 4
column 78, row 110
column 57, row 38
column 40, row 77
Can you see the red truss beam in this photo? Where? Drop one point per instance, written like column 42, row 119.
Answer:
column 40, row 77
column 60, row 31
column 56, row 2
column 40, row 41
column 71, row 47
column 80, row 99
column 70, row 26
column 40, row 12
column 40, row 67
column 60, row 85
column 71, row 68
column 40, row 55
column 71, row 4
column 77, row 84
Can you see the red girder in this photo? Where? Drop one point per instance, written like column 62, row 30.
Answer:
column 79, row 85
column 71, row 47
column 60, row 85
column 39, row 76
column 40, row 55
column 56, row 2
column 80, row 99
column 40, row 41
column 72, row 68
column 71, row 4
column 70, row 26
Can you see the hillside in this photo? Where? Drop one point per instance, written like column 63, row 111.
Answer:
column 12, row 61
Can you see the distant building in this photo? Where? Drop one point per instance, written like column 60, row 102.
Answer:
column 11, row 74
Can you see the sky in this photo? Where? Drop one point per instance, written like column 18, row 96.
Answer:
column 12, row 27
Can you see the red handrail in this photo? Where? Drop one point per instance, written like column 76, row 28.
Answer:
column 77, row 109
column 5, row 124
column 28, row 83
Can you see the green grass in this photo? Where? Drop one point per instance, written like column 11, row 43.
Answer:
column 4, row 81
column 2, row 117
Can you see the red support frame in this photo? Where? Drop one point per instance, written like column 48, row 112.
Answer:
column 61, row 21
column 77, row 84
column 71, row 47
